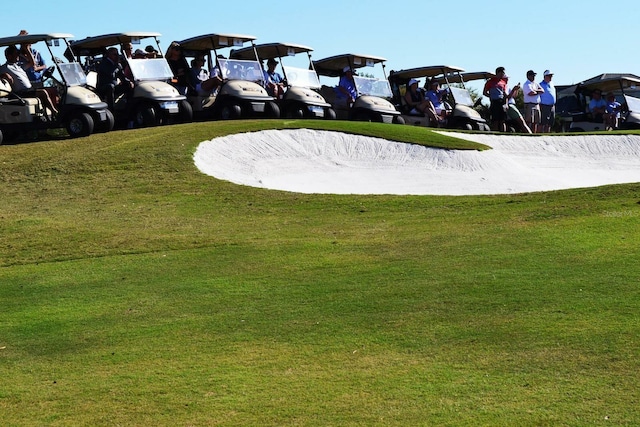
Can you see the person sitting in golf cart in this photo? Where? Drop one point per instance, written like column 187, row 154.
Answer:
column 13, row 72
column 346, row 92
column 200, row 82
column 416, row 102
column 436, row 96
column 111, row 79
column 597, row 106
column 273, row 81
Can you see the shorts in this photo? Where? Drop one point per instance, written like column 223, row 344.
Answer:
column 532, row 113
column 497, row 110
column 548, row 113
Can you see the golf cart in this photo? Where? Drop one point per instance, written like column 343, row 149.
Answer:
column 300, row 100
column 372, row 102
column 80, row 110
column 242, row 93
column 462, row 114
column 573, row 102
column 153, row 100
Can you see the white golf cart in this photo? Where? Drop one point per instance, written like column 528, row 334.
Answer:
column 154, row 101
column 373, row 94
column 462, row 114
column 573, row 102
column 242, row 93
column 81, row 111
column 300, row 100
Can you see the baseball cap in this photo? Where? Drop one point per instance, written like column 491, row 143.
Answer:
column 547, row 73
column 412, row 81
column 531, row 73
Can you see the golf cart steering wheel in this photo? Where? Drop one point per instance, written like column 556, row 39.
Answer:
column 46, row 74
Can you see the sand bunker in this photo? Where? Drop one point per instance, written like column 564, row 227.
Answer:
column 309, row 161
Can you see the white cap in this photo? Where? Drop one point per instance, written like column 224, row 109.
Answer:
column 412, row 81
column 547, row 73
column 345, row 69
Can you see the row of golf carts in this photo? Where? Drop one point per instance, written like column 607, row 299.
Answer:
column 237, row 59
column 154, row 101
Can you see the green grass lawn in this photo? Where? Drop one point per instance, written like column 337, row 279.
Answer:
column 135, row 290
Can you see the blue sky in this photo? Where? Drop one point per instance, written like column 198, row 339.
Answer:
column 576, row 40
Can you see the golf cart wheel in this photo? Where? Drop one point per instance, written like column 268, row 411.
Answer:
column 80, row 124
column 399, row 120
column 363, row 116
column 231, row 112
column 186, row 112
column 147, row 115
column 272, row 110
column 330, row 114
column 295, row 112
column 107, row 125
column 466, row 126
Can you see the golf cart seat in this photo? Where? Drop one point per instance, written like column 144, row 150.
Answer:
column 8, row 97
column 92, row 79
column 328, row 93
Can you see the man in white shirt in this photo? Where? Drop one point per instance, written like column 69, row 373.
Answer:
column 19, row 79
column 532, row 91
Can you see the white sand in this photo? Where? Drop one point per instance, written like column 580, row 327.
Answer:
column 308, row 161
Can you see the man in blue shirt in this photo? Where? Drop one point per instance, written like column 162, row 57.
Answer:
column 547, row 102
column 346, row 91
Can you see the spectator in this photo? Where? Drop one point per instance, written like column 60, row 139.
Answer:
column 547, row 102
column 612, row 112
column 346, row 92
column 436, row 96
column 19, row 80
column 597, row 106
column 418, row 104
column 200, row 83
column 495, row 90
column 109, row 72
column 151, row 52
column 179, row 67
column 512, row 111
column 39, row 65
column 532, row 92
column 274, row 83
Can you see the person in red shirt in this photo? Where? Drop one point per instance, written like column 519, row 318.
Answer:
column 495, row 90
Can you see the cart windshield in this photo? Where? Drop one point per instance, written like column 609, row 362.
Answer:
column 461, row 96
column 72, row 74
column 301, row 78
column 372, row 86
column 236, row 69
column 150, row 69
column 633, row 104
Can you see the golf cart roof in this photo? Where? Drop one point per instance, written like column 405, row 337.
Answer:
column 270, row 50
column 333, row 66
column 215, row 41
column 609, row 82
column 33, row 38
column 430, row 71
column 470, row 76
column 106, row 40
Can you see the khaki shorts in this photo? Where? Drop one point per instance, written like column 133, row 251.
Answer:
column 532, row 113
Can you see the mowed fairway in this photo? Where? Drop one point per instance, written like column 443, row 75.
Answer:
column 135, row 290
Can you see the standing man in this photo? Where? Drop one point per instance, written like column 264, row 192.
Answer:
column 547, row 102
column 495, row 89
column 532, row 92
